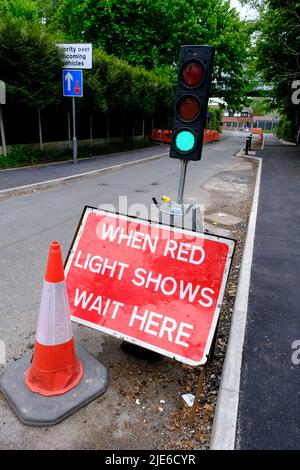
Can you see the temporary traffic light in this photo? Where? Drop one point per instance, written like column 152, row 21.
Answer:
column 190, row 112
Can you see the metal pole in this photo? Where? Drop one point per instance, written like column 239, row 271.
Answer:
column 69, row 131
column 74, row 133
column 182, row 181
column 40, row 129
column 91, row 129
column 2, row 133
column 247, row 146
column 107, row 129
column 197, row 396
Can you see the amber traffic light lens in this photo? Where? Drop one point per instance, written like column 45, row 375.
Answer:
column 192, row 73
column 188, row 108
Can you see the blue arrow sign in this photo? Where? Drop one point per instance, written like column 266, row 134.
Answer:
column 72, row 83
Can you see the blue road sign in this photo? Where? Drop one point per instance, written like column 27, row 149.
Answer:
column 72, row 83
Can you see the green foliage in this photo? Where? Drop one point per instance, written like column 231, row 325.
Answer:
column 146, row 32
column 47, row 9
column 136, row 45
column 278, row 54
column 215, row 118
column 150, row 32
column 25, row 9
column 21, row 155
column 285, row 129
column 115, row 87
column 30, row 63
column 261, row 106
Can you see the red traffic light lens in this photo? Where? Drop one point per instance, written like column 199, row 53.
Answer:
column 192, row 73
column 188, row 108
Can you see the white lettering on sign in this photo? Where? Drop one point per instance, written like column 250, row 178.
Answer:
column 161, row 328
column 77, row 56
column 169, row 285
column 91, row 302
column 143, row 241
column 157, row 286
column 99, row 265
column 134, row 239
column 185, row 252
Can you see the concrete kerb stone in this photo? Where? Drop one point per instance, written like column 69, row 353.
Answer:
column 225, row 420
column 241, row 153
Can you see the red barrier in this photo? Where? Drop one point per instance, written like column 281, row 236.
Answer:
column 162, row 135
column 258, row 130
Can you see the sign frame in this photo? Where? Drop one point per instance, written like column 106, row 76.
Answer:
column 213, row 327
column 72, row 95
column 87, row 63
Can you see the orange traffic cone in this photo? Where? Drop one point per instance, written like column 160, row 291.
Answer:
column 55, row 368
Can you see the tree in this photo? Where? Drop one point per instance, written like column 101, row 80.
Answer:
column 30, row 64
column 23, row 9
column 150, row 32
column 261, row 106
column 115, row 87
column 277, row 53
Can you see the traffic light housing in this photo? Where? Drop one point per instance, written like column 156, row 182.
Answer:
column 190, row 110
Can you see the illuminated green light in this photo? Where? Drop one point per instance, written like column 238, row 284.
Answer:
column 185, row 141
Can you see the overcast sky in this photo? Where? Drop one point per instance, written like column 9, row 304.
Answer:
column 245, row 12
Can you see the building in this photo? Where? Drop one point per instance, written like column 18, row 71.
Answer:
column 237, row 120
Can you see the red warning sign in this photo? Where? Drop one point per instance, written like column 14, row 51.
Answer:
column 150, row 284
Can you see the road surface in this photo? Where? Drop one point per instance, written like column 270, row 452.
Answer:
column 30, row 222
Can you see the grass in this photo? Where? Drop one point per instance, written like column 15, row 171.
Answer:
column 21, row 155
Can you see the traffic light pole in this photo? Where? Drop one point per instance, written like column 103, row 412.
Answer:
column 182, row 181
column 74, row 140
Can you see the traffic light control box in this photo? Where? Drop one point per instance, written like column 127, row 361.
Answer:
column 190, row 110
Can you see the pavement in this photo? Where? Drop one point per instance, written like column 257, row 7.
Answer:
column 221, row 181
column 269, row 415
column 12, row 178
column 258, row 404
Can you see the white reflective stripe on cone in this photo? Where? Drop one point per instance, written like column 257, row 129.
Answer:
column 54, row 324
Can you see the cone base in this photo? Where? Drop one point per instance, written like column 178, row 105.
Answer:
column 49, row 393
column 54, row 370
column 34, row 409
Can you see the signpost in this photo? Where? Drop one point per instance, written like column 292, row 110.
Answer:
column 156, row 286
column 73, row 87
column 2, row 101
column 75, row 56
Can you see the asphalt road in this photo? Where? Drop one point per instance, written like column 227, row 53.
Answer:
column 30, row 222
